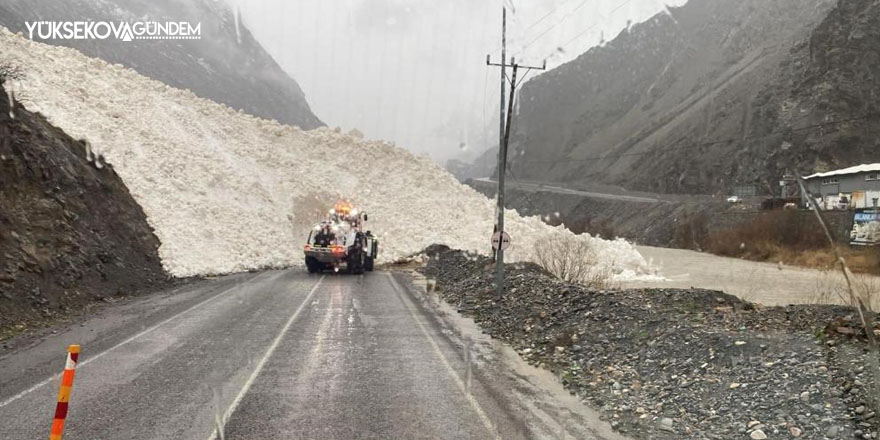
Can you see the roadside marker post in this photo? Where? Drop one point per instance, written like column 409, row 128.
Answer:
column 64, row 393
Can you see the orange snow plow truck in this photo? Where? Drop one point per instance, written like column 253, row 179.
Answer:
column 341, row 242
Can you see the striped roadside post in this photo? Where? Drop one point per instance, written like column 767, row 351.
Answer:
column 64, row 393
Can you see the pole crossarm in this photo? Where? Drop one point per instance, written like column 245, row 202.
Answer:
column 513, row 61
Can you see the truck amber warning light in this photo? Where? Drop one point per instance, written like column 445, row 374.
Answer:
column 342, row 207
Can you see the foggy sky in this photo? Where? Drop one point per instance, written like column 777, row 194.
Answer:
column 414, row 71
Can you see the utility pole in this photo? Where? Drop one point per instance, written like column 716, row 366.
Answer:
column 501, row 126
column 504, row 142
column 501, row 119
column 502, row 171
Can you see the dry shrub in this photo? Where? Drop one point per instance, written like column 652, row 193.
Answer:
column 859, row 260
column 868, row 288
column 864, row 260
column 789, row 237
column 792, row 238
column 769, row 236
column 831, row 288
column 574, row 260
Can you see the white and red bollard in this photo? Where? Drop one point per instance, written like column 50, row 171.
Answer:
column 64, row 393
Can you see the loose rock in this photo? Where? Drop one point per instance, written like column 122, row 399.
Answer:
column 665, row 363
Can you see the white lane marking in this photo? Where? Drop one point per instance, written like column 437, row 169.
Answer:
column 91, row 359
column 262, row 363
column 458, row 382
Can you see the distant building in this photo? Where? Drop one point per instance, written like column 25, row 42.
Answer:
column 850, row 188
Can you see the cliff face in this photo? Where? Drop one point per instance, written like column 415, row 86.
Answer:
column 835, row 78
column 227, row 65
column 70, row 232
column 714, row 94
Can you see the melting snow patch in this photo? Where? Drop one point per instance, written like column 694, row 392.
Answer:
column 228, row 192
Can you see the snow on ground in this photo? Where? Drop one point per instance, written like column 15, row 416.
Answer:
column 227, row 192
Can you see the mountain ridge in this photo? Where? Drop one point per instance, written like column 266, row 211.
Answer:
column 700, row 99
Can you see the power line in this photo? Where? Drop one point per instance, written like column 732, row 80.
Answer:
column 547, row 15
column 619, row 6
column 579, row 35
column 582, row 33
column 532, row 26
column 705, row 144
column 564, row 19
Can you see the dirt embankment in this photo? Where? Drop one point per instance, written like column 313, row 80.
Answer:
column 651, row 224
column 70, row 232
column 706, row 224
column 676, row 363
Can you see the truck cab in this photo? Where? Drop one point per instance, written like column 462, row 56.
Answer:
column 341, row 243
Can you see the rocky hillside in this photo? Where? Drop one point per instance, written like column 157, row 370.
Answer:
column 70, row 232
column 710, row 95
column 227, row 65
column 483, row 166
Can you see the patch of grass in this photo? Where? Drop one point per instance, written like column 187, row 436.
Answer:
column 859, row 260
column 820, row 334
column 689, row 305
column 641, row 335
column 10, row 332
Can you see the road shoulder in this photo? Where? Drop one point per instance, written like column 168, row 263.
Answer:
column 532, row 395
column 39, row 354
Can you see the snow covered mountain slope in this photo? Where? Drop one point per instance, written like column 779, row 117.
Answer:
column 227, row 65
column 226, row 191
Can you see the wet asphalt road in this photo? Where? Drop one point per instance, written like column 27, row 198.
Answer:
column 275, row 355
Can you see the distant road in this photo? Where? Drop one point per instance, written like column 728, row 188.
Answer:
column 529, row 186
column 283, row 355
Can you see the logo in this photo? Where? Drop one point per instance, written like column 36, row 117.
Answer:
column 122, row 31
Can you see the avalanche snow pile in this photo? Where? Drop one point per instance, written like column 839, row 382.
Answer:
column 226, row 191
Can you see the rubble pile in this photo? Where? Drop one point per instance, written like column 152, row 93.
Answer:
column 672, row 363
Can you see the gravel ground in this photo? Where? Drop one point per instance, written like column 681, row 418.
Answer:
column 675, row 363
